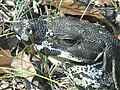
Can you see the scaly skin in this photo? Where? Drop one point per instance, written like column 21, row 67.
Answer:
column 93, row 53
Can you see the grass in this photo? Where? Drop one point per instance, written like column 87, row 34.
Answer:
column 115, row 5
column 44, row 69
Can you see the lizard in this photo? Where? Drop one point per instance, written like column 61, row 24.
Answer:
column 91, row 54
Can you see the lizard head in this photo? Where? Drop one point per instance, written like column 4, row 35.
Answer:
column 64, row 38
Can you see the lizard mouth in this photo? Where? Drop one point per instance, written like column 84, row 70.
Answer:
column 66, row 57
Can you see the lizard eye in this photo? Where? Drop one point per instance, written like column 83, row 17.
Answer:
column 69, row 41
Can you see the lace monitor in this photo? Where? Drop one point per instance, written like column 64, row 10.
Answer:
column 91, row 53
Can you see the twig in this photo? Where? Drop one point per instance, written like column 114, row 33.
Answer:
column 86, row 9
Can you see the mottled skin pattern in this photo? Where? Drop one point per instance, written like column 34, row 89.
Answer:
column 97, row 52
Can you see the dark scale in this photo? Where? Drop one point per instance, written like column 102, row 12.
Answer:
column 96, row 50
